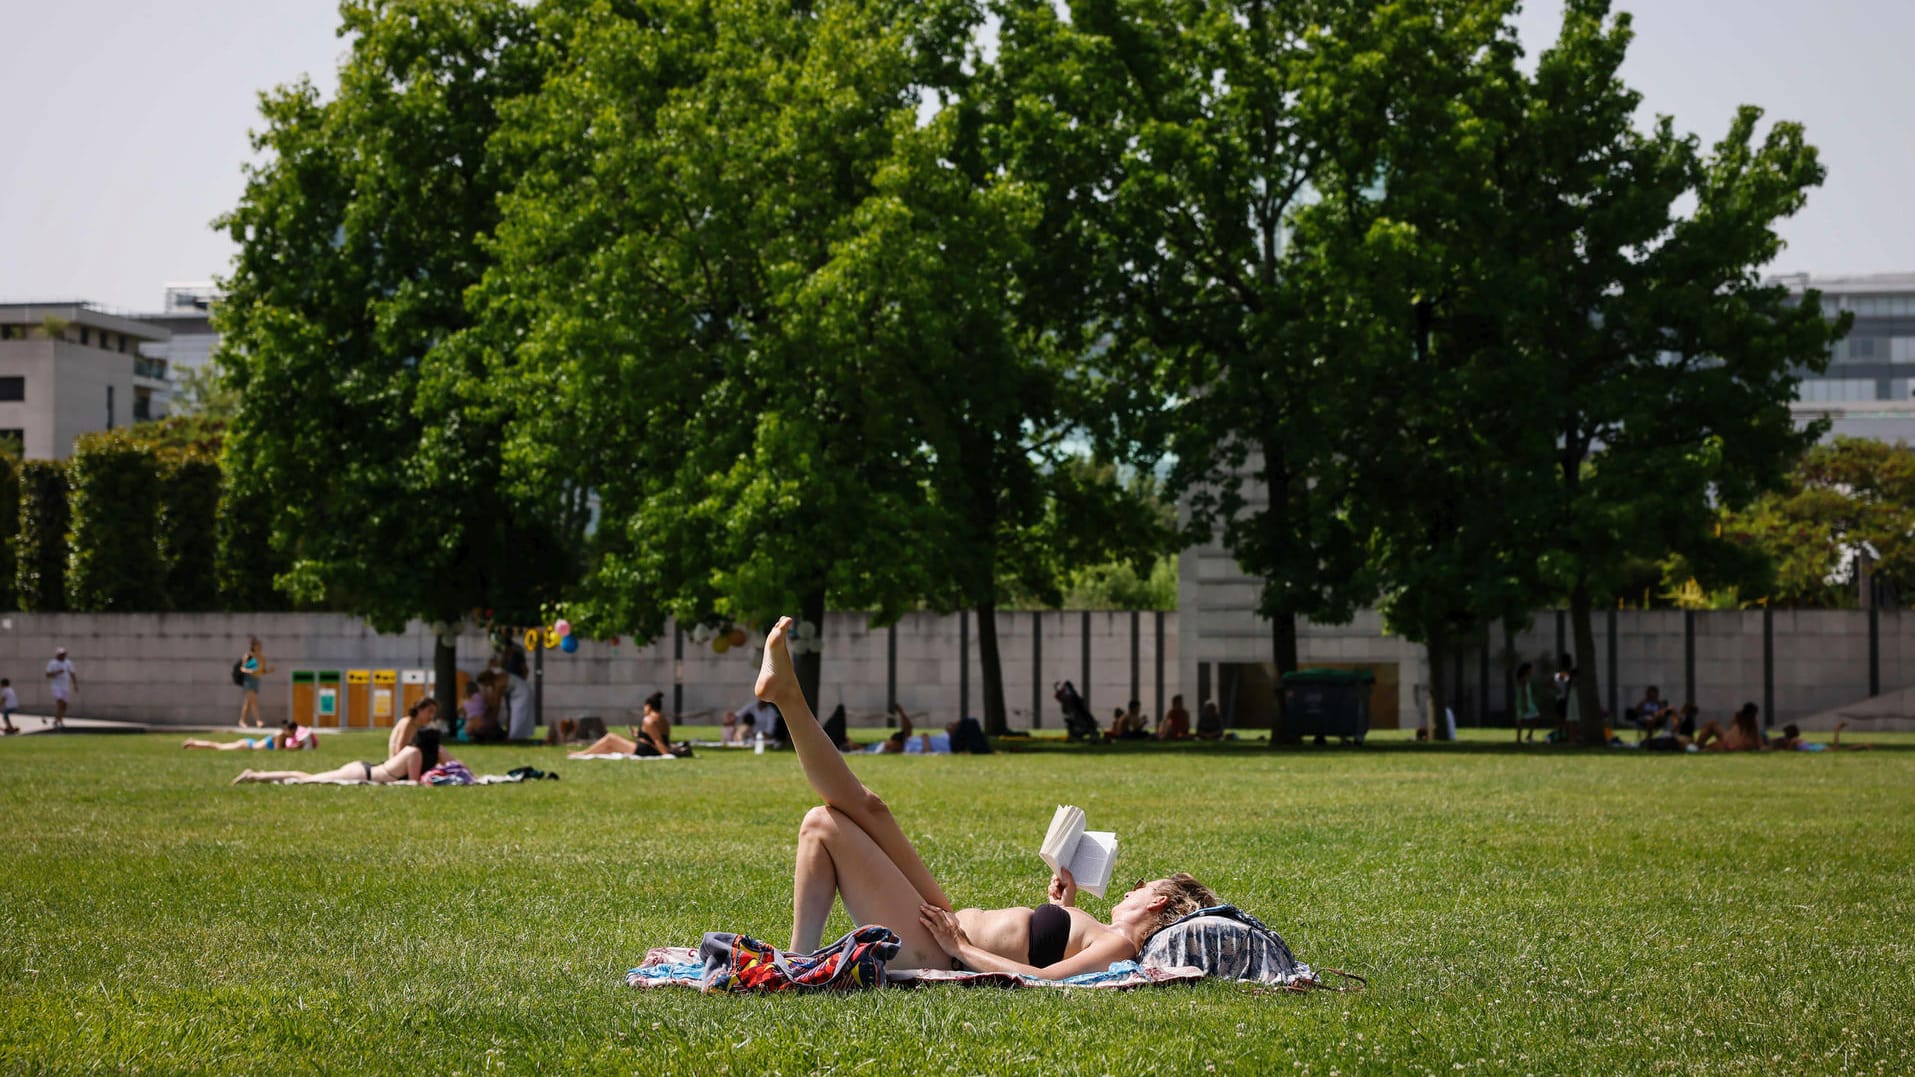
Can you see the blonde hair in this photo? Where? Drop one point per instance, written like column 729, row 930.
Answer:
column 1186, row 895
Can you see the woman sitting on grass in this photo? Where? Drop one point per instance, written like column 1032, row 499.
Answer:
column 1743, row 735
column 852, row 847
column 411, row 750
column 652, row 737
column 292, row 737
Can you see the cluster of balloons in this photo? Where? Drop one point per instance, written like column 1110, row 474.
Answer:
column 559, row 635
column 721, row 639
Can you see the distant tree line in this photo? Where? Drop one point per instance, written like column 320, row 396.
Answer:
column 718, row 310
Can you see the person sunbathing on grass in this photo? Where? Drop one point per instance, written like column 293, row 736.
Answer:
column 654, row 737
column 411, row 750
column 1791, row 741
column 291, row 737
column 851, row 847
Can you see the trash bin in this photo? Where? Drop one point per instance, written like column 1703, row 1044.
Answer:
column 1327, row 703
column 412, row 688
column 358, row 693
column 302, row 697
column 385, row 708
column 329, row 711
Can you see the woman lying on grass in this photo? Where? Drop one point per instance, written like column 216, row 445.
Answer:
column 411, row 750
column 852, row 847
column 292, row 737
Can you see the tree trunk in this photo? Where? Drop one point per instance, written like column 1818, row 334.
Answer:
column 1587, row 696
column 996, row 720
column 1283, row 626
column 1440, row 686
column 810, row 665
column 1283, row 651
column 445, row 674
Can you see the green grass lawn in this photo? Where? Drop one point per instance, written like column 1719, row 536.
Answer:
column 1540, row 910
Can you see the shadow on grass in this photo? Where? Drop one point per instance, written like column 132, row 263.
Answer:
column 1397, row 742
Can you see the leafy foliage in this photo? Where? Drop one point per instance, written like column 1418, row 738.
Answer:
column 9, row 529
column 115, row 526
column 359, row 233
column 1843, row 497
column 42, row 540
column 188, row 530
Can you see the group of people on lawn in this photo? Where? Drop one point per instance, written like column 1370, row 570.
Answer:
column 1660, row 723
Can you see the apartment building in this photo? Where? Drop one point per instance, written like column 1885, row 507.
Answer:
column 70, row 368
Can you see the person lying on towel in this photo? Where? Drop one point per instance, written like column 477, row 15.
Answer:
column 851, row 847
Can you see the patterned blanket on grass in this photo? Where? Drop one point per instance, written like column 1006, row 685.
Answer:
column 740, row 963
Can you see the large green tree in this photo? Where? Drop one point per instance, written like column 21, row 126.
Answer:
column 1666, row 363
column 1407, row 275
column 359, row 233
column 684, row 303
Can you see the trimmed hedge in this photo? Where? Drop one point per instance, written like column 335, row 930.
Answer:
column 41, row 545
column 246, row 563
column 189, row 524
column 116, row 517
column 9, row 527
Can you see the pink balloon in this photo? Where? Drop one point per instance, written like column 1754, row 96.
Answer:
column 563, row 628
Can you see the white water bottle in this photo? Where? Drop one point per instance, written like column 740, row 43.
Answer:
column 758, row 743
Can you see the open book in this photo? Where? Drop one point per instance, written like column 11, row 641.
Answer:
column 1089, row 854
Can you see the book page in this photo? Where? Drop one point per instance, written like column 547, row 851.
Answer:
column 1060, row 841
column 1094, row 860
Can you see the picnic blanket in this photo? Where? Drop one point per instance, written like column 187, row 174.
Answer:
column 739, row 963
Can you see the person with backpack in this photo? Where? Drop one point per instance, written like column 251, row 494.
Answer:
column 246, row 674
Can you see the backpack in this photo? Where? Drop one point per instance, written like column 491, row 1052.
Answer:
column 239, row 672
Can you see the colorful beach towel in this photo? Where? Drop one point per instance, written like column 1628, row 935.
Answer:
column 723, row 964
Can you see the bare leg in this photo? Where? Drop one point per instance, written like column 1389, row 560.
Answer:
column 828, row 773
column 351, row 772
column 1836, row 744
column 1710, row 728
column 229, row 746
column 610, row 744
column 835, row 855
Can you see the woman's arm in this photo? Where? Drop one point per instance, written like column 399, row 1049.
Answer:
column 1096, row 957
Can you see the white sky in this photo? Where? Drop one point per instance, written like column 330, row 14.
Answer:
column 123, row 124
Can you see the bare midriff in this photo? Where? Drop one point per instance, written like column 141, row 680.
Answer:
column 1007, row 932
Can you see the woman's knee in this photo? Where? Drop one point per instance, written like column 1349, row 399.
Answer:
column 820, row 823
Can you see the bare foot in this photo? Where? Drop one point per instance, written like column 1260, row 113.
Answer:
column 776, row 678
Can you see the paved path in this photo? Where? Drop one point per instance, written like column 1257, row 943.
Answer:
column 35, row 724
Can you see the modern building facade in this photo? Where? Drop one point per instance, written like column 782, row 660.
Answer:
column 70, row 368
column 1868, row 389
column 187, row 316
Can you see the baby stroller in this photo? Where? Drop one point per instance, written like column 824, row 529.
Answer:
column 1078, row 722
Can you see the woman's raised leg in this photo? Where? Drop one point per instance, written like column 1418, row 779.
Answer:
column 837, row 857
column 828, row 773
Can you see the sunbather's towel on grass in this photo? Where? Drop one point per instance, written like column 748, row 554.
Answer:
column 681, row 966
column 730, row 962
column 1227, row 943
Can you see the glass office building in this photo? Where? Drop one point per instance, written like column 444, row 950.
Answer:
column 1868, row 389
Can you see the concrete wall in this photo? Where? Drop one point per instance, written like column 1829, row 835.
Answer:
column 176, row 668
column 1820, row 658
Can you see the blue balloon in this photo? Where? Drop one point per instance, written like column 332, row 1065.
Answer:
column 569, row 644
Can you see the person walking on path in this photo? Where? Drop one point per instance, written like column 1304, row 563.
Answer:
column 250, row 669
column 9, row 702
column 63, row 680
